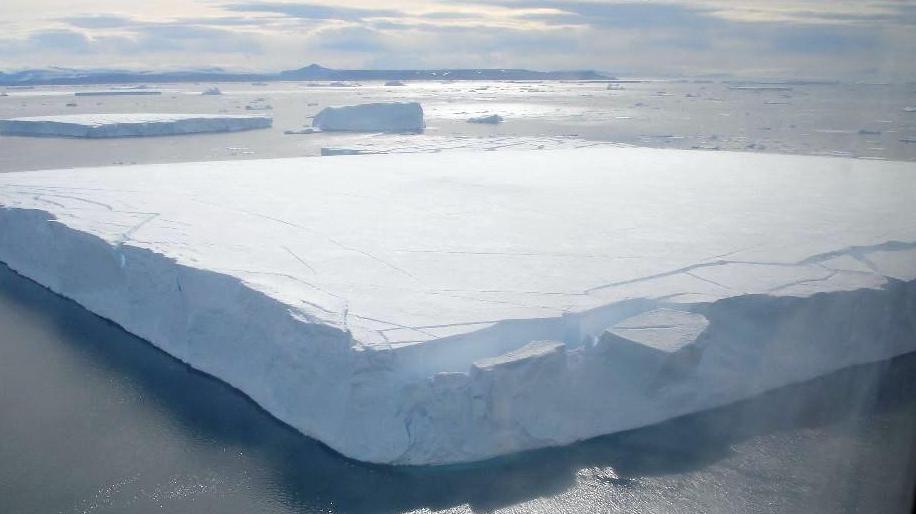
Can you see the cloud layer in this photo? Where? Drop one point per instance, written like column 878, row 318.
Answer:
column 777, row 38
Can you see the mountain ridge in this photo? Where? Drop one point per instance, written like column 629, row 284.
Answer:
column 68, row 76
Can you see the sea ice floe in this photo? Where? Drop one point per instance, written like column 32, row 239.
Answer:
column 129, row 125
column 119, row 92
column 491, row 119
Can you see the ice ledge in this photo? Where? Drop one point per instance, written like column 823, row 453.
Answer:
column 531, row 352
column 281, row 306
column 659, row 331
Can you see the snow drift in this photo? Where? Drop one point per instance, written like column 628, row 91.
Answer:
column 441, row 308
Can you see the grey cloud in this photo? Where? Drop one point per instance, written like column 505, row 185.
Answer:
column 100, row 21
column 449, row 15
column 313, row 11
column 619, row 15
column 140, row 39
column 59, row 40
column 663, row 13
column 351, row 39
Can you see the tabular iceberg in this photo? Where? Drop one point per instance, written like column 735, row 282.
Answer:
column 129, row 125
column 442, row 308
column 376, row 117
column 120, row 92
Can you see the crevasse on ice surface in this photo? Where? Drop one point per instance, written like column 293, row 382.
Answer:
column 432, row 309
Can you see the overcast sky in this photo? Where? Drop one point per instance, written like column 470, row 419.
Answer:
column 859, row 39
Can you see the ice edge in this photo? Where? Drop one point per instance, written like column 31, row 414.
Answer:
column 360, row 402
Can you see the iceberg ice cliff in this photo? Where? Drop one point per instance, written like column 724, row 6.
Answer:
column 443, row 308
column 374, row 117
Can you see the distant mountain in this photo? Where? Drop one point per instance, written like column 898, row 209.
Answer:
column 68, row 76
column 316, row 72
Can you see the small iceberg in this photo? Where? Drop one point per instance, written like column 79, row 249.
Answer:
column 330, row 151
column 304, row 130
column 492, row 119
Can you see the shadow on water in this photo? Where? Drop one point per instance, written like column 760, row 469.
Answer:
column 309, row 476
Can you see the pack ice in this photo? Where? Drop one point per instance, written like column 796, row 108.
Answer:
column 443, row 308
column 129, row 125
column 374, row 117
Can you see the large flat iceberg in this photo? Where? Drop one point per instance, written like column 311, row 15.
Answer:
column 129, row 125
column 442, row 308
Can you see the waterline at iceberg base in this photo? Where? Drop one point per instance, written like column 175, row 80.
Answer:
column 434, row 309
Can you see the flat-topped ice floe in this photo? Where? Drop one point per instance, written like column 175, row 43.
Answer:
column 129, row 125
column 376, row 117
column 119, row 92
column 441, row 308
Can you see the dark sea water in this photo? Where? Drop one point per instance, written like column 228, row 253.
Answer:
column 97, row 420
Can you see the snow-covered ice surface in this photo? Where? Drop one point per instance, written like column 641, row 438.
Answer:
column 372, row 117
column 129, row 125
column 430, row 309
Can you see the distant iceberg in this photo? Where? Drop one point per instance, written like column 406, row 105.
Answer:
column 129, row 125
column 119, row 92
column 375, row 117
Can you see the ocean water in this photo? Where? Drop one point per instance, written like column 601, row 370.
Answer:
column 848, row 120
column 93, row 419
